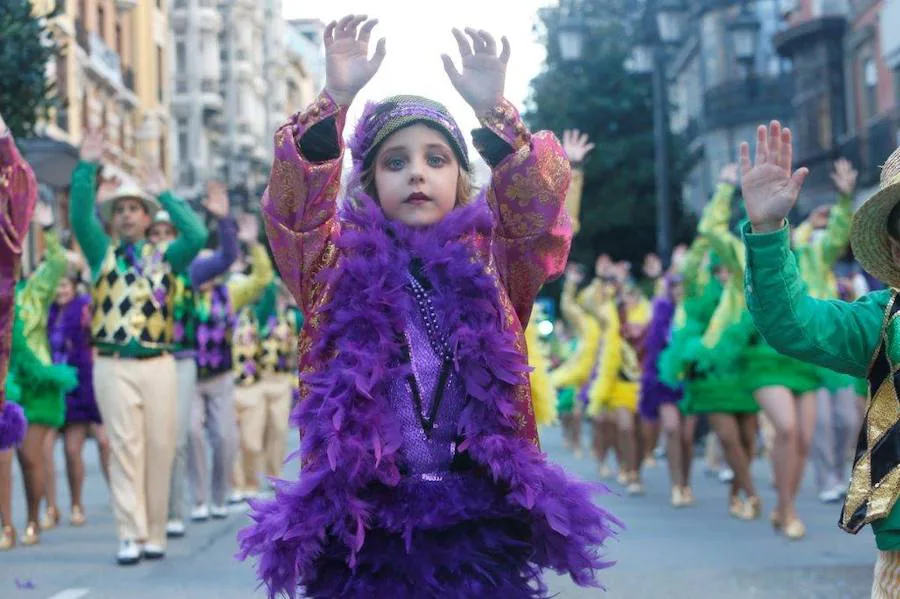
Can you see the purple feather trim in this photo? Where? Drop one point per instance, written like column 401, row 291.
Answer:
column 349, row 503
column 12, row 425
column 654, row 392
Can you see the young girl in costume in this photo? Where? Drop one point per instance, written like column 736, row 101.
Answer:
column 42, row 385
column 421, row 471
column 859, row 338
column 69, row 329
column 659, row 401
column 706, row 353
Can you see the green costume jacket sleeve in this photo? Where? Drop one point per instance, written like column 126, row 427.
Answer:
column 86, row 225
column 192, row 232
column 247, row 290
column 837, row 335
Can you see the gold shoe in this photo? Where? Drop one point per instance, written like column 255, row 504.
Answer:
column 635, row 487
column 605, row 471
column 50, row 519
column 8, row 538
column 794, row 529
column 623, row 478
column 32, row 534
column 754, row 507
column 677, row 497
column 78, row 518
column 738, row 508
column 650, row 462
column 687, row 496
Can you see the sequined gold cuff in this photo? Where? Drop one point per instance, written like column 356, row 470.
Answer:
column 505, row 122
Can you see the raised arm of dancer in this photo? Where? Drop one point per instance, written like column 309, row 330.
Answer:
column 530, row 175
column 838, row 335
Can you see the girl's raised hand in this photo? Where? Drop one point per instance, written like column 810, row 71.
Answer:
column 347, row 64
column 483, row 74
column 770, row 186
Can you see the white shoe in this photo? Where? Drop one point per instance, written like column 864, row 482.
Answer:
column 129, row 553
column 219, row 512
column 175, row 529
column 832, row 495
column 152, row 551
column 236, row 497
column 200, row 513
column 726, row 475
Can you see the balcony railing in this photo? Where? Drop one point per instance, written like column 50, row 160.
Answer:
column 755, row 99
column 105, row 60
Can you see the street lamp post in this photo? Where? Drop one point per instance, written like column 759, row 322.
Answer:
column 663, row 28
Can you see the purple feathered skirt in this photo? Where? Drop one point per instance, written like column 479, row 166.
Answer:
column 467, row 542
column 655, row 394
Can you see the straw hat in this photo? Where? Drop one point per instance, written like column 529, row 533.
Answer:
column 869, row 235
column 126, row 192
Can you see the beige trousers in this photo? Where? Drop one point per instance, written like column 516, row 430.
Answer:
column 262, row 411
column 886, row 584
column 137, row 400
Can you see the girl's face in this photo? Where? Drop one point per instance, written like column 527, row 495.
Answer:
column 65, row 291
column 416, row 175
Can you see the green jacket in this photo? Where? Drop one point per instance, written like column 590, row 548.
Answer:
column 833, row 334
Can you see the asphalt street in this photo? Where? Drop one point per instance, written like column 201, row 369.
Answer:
column 691, row 553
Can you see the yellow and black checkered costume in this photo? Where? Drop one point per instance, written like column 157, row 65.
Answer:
column 875, row 482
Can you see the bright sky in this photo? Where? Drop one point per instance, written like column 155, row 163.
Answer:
column 418, row 33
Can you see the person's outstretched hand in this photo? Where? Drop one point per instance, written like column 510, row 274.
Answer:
column 347, row 65
column 483, row 76
column 770, row 188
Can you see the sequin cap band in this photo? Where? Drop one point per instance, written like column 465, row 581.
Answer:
column 390, row 115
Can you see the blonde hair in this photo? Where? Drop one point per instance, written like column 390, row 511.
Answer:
column 463, row 185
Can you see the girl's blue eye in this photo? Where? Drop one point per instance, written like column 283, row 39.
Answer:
column 395, row 164
column 436, row 160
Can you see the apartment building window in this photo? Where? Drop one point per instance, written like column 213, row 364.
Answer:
column 182, row 147
column 82, row 9
column 101, row 21
column 160, row 74
column 123, row 142
column 181, row 58
column 119, row 37
column 870, row 87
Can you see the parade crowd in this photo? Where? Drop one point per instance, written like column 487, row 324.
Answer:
column 422, row 372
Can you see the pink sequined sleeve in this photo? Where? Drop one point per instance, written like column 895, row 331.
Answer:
column 300, row 203
column 527, row 195
column 18, row 194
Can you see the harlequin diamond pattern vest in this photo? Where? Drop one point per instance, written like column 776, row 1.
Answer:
column 133, row 299
column 215, row 330
column 272, row 349
column 875, row 482
column 183, row 316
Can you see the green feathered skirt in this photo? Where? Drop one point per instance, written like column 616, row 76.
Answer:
column 565, row 400
column 765, row 367
column 38, row 387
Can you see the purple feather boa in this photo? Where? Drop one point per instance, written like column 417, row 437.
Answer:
column 12, row 425
column 654, row 392
column 352, row 526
